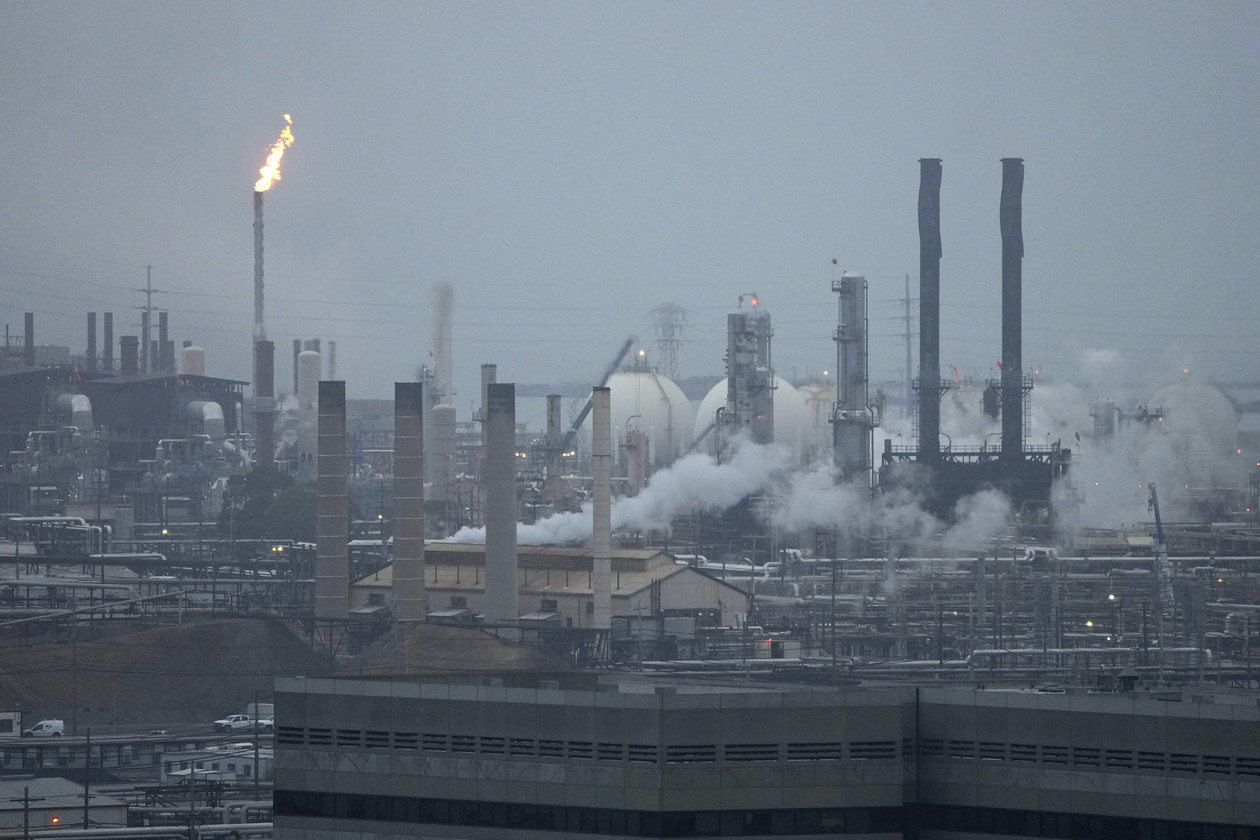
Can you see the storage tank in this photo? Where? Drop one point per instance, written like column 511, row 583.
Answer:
column 792, row 420
column 192, row 360
column 646, row 401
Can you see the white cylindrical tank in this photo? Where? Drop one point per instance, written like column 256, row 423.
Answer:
column 792, row 421
column 192, row 360
column 308, row 379
column 646, row 401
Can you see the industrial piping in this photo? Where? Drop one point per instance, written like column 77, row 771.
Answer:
column 332, row 587
column 501, row 586
column 409, row 501
column 929, row 310
column 601, row 513
column 1011, row 221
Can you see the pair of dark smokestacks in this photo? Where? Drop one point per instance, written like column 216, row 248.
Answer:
column 1013, row 387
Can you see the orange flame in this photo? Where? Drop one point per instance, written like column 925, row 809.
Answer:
column 271, row 169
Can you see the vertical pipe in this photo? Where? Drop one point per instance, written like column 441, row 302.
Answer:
column 501, row 586
column 332, row 360
column 260, row 331
column 555, row 437
column 409, row 501
column 129, row 352
column 28, row 340
column 601, row 519
column 145, row 350
column 163, row 339
column 264, row 403
column 332, row 587
column 929, row 309
column 91, row 344
column 108, row 353
column 1011, row 220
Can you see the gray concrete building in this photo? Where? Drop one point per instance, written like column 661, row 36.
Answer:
column 524, row 756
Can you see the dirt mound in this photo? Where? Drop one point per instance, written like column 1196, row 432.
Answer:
column 151, row 677
column 432, row 648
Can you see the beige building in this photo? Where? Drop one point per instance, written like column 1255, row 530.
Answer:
column 554, row 584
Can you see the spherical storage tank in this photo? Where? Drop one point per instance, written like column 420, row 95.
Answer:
column 648, row 402
column 792, row 419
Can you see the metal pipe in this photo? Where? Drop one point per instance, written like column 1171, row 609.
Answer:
column 601, row 519
column 260, row 331
column 264, row 403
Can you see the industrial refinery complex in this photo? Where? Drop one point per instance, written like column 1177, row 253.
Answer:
column 747, row 606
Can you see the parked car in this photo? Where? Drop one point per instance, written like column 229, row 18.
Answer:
column 266, row 724
column 46, row 729
column 232, row 723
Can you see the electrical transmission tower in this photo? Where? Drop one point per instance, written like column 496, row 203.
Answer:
column 670, row 320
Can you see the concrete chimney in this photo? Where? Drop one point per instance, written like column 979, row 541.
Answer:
column 1011, row 220
column 91, row 344
column 555, row 437
column 929, row 310
column 489, row 375
column 501, row 584
column 601, row 521
column 128, row 347
column 443, row 440
column 332, row 586
column 297, row 351
column 332, row 360
column 28, row 340
column 108, row 351
column 409, row 501
column 146, row 350
column 264, row 403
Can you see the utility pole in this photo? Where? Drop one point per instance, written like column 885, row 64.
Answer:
column 87, row 777
column 146, row 317
column 26, row 801
column 908, row 317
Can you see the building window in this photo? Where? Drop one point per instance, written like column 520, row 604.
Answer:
column 459, row 602
column 550, row 605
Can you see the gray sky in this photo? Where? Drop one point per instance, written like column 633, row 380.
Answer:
column 570, row 166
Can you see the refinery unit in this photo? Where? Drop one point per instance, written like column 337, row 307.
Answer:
column 767, row 528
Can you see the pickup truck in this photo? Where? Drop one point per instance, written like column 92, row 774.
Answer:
column 231, row 723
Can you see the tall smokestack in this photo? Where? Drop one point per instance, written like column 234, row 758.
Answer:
column 28, row 340
column 297, row 350
column 443, row 307
column 163, row 339
column 265, row 404
column 260, row 331
column 601, row 512
column 145, row 349
column 489, row 375
column 929, row 309
column 332, row 360
column 501, row 586
column 409, row 501
column 108, row 353
column 130, row 352
column 332, row 587
column 91, row 346
column 1011, row 220
column 555, row 437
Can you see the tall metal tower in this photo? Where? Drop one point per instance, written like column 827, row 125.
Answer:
column 852, row 416
column 670, row 320
column 749, row 375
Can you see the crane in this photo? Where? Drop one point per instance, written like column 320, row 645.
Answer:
column 586, row 409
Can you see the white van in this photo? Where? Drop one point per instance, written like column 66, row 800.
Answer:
column 46, row 729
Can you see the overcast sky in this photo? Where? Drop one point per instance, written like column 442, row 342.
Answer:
column 568, row 167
